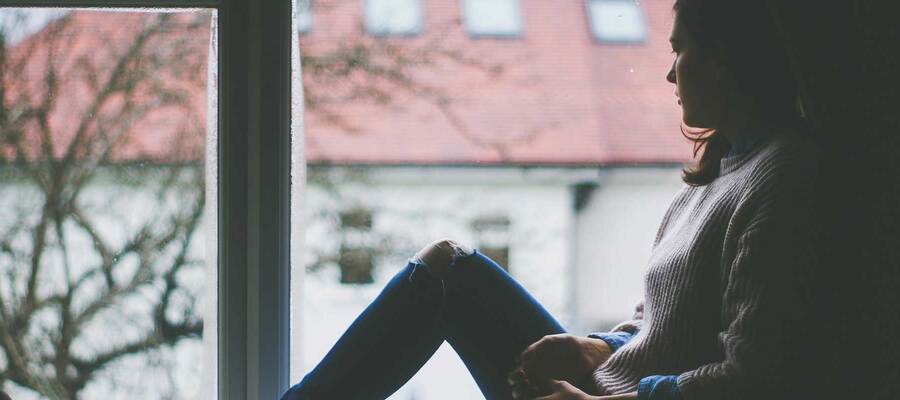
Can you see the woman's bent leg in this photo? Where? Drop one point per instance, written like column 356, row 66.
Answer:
column 489, row 320
column 477, row 307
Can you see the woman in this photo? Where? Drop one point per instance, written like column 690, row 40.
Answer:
column 721, row 284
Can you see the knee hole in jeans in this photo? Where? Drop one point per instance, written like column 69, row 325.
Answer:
column 440, row 255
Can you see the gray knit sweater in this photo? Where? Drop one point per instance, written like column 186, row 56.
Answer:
column 724, row 275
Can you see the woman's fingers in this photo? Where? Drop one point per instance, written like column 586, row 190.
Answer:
column 561, row 390
column 525, row 392
column 522, row 388
column 522, row 393
column 554, row 388
column 529, row 352
column 548, row 385
column 531, row 360
column 516, row 376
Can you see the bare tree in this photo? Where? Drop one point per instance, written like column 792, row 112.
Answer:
column 72, row 107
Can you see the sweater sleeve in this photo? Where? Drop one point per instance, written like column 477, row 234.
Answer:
column 762, row 291
column 634, row 324
column 615, row 340
column 622, row 333
column 659, row 387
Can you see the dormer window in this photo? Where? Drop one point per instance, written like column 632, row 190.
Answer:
column 492, row 18
column 616, row 21
column 393, row 17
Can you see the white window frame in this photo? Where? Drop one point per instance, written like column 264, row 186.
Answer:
column 592, row 22
column 256, row 40
column 493, row 35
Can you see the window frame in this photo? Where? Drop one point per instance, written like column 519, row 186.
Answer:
column 597, row 39
column 254, row 50
column 520, row 20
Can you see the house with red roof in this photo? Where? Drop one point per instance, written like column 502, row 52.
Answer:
column 504, row 96
column 542, row 133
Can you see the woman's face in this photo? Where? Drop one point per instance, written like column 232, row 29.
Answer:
column 698, row 81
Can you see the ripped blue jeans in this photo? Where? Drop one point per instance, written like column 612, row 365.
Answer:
column 482, row 312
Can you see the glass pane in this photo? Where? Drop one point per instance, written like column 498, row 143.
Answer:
column 393, row 17
column 551, row 154
column 616, row 21
column 107, row 240
column 492, row 17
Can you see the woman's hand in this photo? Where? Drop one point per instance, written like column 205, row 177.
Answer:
column 626, row 396
column 561, row 357
column 562, row 390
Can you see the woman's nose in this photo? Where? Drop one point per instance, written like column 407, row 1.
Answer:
column 671, row 75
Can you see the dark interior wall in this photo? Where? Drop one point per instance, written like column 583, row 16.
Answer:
column 846, row 56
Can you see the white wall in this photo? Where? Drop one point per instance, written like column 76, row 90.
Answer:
column 616, row 228
column 416, row 205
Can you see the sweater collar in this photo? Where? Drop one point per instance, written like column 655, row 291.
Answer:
column 746, row 142
column 748, row 139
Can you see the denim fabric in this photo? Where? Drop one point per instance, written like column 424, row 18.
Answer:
column 486, row 316
column 659, row 387
column 613, row 339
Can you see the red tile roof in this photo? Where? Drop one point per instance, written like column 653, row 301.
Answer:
column 85, row 49
column 551, row 96
column 561, row 98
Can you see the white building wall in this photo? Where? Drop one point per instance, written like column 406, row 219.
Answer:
column 615, row 231
column 414, row 206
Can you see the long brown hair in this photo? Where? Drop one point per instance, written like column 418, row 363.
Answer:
column 711, row 146
column 743, row 37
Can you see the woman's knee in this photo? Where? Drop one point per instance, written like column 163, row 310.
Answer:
column 439, row 255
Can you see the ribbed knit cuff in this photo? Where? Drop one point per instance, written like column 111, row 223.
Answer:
column 615, row 340
column 659, row 387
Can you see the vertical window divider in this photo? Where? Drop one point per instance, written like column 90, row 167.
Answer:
column 254, row 214
column 232, row 216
